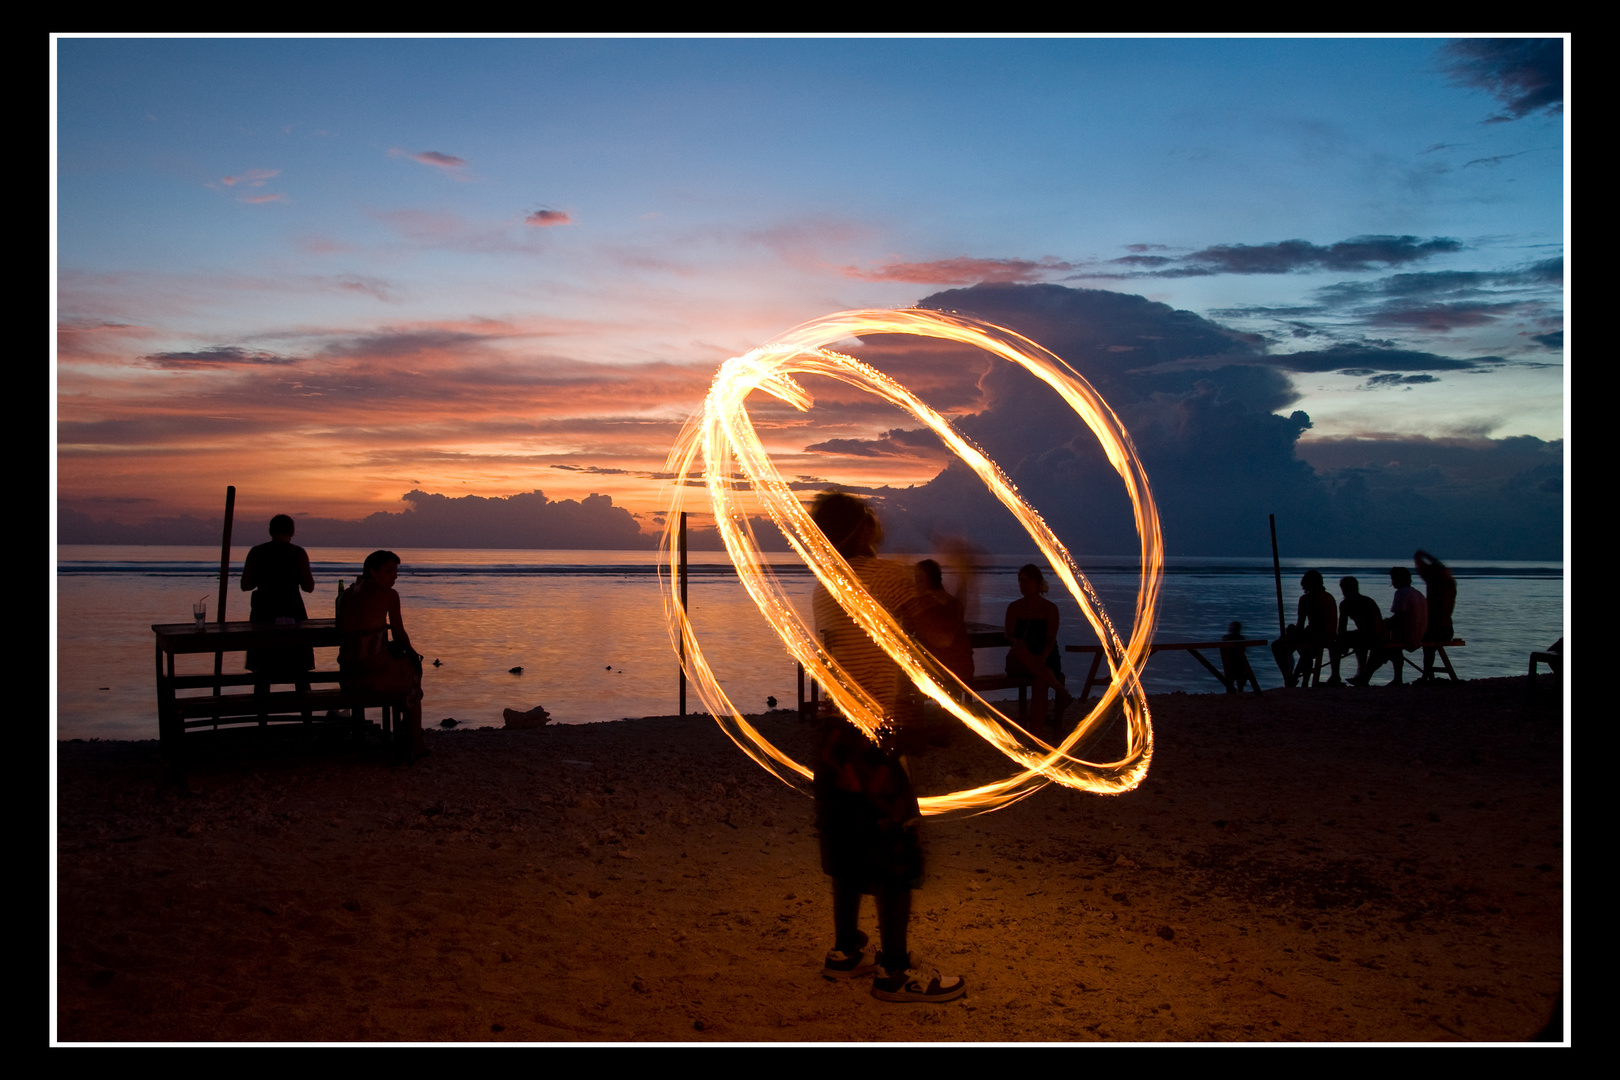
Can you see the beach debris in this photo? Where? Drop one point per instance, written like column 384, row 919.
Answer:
column 535, row 717
column 610, row 667
column 517, row 670
column 448, row 722
column 770, row 703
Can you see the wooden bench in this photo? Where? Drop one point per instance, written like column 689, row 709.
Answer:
column 980, row 636
column 317, row 700
column 1191, row 647
column 1440, row 652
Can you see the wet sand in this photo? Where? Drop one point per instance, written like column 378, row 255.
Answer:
column 1334, row 865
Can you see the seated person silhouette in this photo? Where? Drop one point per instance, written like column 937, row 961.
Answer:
column 953, row 649
column 1033, row 653
column 1441, row 588
column 1369, row 632
column 276, row 572
column 368, row 661
column 1314, row 630
column 1408, row 619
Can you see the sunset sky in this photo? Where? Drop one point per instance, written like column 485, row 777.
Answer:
column 331, row 272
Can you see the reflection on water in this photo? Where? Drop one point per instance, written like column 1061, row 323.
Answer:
column 587, row 627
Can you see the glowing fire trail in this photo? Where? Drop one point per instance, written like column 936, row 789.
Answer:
column 734, row 460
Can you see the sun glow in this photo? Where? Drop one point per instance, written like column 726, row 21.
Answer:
column 720, row 445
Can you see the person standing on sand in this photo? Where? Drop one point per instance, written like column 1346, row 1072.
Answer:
column 368, row 660
column 866, row 812
column 275, row 572
column 1441, row 588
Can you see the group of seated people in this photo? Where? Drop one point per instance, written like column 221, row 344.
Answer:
column 1357, row 626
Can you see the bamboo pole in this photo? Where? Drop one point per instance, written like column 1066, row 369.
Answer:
column 224, row 572
column 680, row 549
column 1276, row 571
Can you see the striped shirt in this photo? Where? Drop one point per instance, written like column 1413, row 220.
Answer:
column 890, row 584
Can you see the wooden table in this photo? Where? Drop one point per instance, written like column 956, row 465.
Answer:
column 306, row 704
column 1166, row 646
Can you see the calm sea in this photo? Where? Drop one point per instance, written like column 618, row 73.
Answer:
column 587, row 627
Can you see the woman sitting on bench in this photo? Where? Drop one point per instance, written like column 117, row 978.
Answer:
column 368, row 660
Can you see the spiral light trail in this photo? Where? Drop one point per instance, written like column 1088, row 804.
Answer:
column 721, row 442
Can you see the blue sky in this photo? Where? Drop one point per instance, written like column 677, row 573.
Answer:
column 335, row 270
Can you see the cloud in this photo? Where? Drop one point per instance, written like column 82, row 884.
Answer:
column 448, row 162
column 1359, row 253
column 1365, row 359
column 964, row 270
column 1208, row 412
column 524, row 521
column 251, row 177
column 1395, row 379
column 896, row 442
column 1439, row 301
column 221, row 356
column 447, row 230
column 1525, row 74
column 255, row 199
column 1492, row 162
column 547, row 217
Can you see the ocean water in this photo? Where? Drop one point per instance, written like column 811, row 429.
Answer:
column 588, row 627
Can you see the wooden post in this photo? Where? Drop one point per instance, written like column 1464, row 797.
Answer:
column 224, row 573
column 1276, row 571
column 680, row 560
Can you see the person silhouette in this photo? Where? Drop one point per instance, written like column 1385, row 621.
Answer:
column 368, row 662
column 1408, row 619
column 1441, row 598
column 1313, row 630
column 954, row 650
column 1033, row 653
column 867, row 816
column 275, row 572
column 1235, row 661
column 1369, row 632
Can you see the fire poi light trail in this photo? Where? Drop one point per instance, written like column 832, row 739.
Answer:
column 734, row 461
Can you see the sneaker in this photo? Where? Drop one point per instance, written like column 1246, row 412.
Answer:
column 918, row 984
column 849, row 965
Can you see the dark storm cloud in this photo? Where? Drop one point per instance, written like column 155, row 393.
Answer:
column 1294, row 256
column 1208, row 412
column 1428, row 301
column 896, row 442
column 221, row 356
column 1396, row 379
column 1360, row 359
column 1554, row 340
column 1525, row 74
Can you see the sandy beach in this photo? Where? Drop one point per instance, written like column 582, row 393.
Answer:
column 1333, row 865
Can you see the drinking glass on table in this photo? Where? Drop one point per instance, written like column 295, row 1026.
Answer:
column 199, row 611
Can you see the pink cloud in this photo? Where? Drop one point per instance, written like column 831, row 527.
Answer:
column 252, row 177
column 963, row 270
column 278, row 197
column 547, row 217
column 448, row 162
